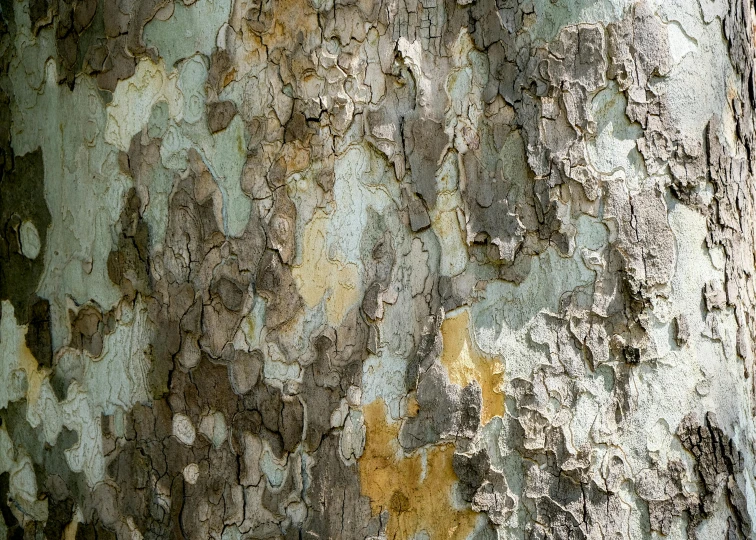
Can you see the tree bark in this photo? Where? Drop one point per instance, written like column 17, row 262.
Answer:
column 377, row 269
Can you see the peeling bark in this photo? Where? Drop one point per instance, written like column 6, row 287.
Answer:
column 315, row 269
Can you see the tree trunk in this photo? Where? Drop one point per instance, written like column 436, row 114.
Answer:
column 359, row 269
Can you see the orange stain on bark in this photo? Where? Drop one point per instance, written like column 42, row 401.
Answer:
column 417, row 495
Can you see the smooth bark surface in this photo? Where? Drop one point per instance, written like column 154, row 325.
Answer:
column 402, row 269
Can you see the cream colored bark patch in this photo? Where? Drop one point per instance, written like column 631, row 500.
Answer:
column 465, row 363
column 30, row 243
column 133, row 100
column 321, row 278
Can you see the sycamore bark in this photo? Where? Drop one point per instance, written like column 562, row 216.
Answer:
column 401, row 269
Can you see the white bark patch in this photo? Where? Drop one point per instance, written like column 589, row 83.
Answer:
column 191, row 473
column 183, row 429
column 352, row 439
column 680, row 43
column 30, row 243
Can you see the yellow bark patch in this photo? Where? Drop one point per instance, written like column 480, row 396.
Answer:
column 35, row 374
column 69, row 533
column 465, row 363
column 416, row 494
column 320, row 277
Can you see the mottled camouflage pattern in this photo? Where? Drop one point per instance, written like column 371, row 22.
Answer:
column 402, row 269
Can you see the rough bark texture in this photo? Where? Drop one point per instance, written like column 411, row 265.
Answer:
column 403, row 269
